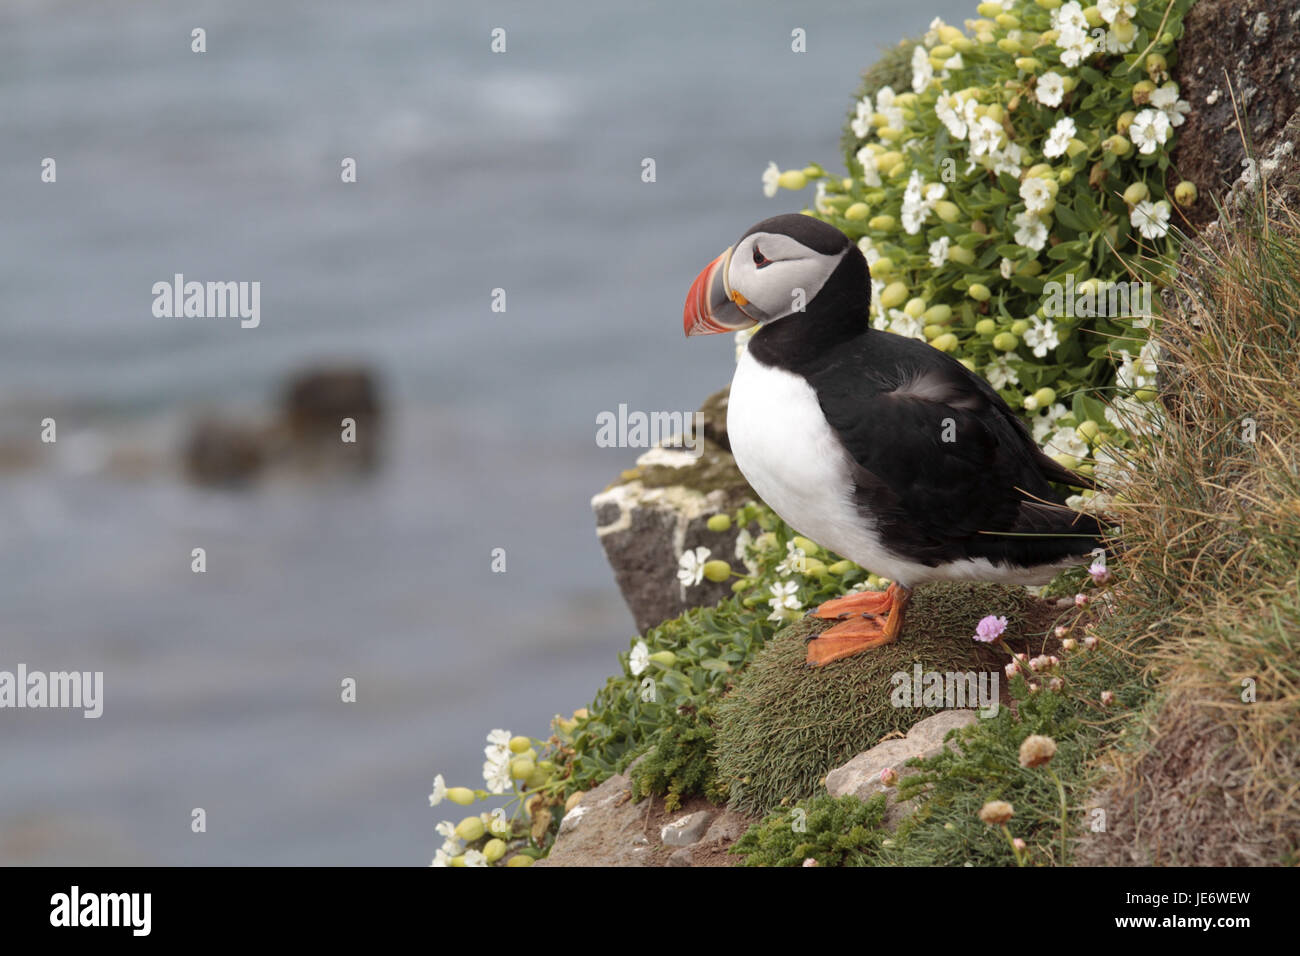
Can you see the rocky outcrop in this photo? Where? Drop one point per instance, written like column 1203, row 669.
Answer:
column 660, row 509
column 307, row 435
column 861, row 775
column 605, row 828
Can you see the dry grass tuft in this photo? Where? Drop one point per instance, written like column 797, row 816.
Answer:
column 1210, row 511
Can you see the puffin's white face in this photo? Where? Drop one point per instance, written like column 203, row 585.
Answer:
column 768, row 275
column 776, row 275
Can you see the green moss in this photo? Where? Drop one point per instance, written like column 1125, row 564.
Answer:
column 785, row 724
column 679, row 765
column 834, row 832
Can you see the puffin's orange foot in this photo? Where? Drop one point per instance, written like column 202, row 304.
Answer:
column 854, row 605
column 862, row 632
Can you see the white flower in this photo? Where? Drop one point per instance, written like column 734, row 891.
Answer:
column 939, row 251
column 1059, row 138
column 1151, row 218
column 1000, row 373
column 903, row 324
column 439, row 791
column 1149, row 129
column 450, row 842
column 770, row 177
column 639, row 659
column 498, row 745
column 1046, row 420
column 949, row 109
column 922, row 71
column 690, row 566
column 1072, row 34
column 795, row 561
column 442, row 858
column 870, row 174
column 1007, row 268
column 496, row 774
column 1036, row 195
column 1008, row 160
column 932, row 34
column 475, row 858
column 868, row 249
column 820, row 202
column 861, row 122
column 784, row 597
column 1030, row 231
column 1166, row 100
column 1050, row 89
column 985, row 137
column 885, row 104
column 1110, row 9
column 1066, row 441
column 1041, row 336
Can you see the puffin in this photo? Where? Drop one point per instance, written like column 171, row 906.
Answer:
column 878, row 447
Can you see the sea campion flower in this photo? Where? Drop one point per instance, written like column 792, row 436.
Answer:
column 939, row 251
column 1058, row 138
column 475, row 858
column 439, row 791
column 771, row 178
column 784, row 598
column 1149, row 130
column 690, row 566
column 639, row 659
column 1037, row 195
column 496, row 774
column 1030, row 231
column 1041, row 336
column 1151, row 218
column 1166, row 100
column 922, row 71
column 1050, row 89
column 796, row 561
column 1000, row 373
column 990, row 628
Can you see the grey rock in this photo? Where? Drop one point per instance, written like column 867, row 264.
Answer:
column 605, row 828
column 861, row 775
column 687, row 829
column 682, row 857
column 660, row 509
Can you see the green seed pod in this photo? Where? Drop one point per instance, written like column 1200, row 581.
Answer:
column 720, row 523
column 717, row 571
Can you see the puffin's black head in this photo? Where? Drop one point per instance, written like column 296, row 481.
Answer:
column 778, row 267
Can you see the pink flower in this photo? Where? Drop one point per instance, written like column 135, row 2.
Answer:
column 1019, row 844
column 1033, row 688
column 1089, row 642
column 811, row 861
column 1055, row 683
column 990, row 629
column 888, row 777
column 1012, row 669
column 1100, row 573
column 1080, row 600
column 1107, row 698
column 1061, row 631
column 1069, row 644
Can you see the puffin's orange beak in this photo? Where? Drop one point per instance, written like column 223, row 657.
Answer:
column 711, row 307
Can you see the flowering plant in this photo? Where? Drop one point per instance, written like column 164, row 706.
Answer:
column 1011, row 195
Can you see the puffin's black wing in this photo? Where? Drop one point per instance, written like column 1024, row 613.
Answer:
column 942, row 466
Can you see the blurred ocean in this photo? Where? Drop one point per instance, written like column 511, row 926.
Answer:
column 476, row 171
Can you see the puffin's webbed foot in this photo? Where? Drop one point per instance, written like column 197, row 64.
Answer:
column 864, row 630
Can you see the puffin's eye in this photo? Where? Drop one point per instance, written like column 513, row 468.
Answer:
column 760, row 260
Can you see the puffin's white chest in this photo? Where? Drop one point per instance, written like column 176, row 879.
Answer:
column 789, row 454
